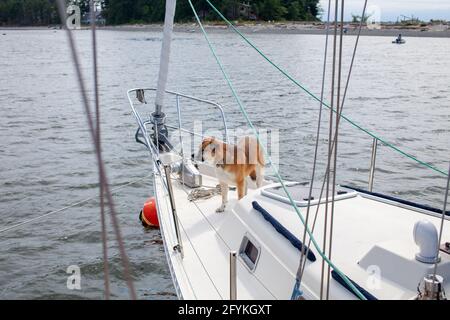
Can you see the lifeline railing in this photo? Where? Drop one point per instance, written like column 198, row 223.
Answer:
column 142, row 124
column 372, row 163
column 178, row 107
column 154, row 149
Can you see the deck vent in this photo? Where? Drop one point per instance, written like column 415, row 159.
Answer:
column 426, row 237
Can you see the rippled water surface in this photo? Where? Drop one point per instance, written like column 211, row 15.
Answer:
column 47, row 162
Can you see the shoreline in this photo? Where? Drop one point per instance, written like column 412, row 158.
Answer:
column 263, row 28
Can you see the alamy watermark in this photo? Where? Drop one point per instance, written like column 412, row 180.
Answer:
column 74, row 280
column 373, row 281
column 73, row 20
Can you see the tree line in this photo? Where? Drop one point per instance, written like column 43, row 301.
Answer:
column 44, row 12
column 34, row 12
column 148, row 11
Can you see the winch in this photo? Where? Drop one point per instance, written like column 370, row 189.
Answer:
column 189, row 174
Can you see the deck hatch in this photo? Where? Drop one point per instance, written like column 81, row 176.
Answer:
column 249, row 252
column 300, row 191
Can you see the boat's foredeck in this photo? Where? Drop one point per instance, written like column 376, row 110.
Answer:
column 372, row 239
column 206, row 254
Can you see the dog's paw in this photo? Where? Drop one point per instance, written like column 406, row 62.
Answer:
column 220, row 209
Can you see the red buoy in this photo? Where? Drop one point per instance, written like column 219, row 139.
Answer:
column 149, row 214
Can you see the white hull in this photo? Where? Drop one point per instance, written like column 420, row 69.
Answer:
column 370, row 235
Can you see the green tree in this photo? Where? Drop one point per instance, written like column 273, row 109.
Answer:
column 296, row 11
column 271, row 10
column 28, row 12
column 44, row 12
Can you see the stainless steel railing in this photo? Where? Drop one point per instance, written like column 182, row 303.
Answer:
column 178, row 106
column 372, row 163
column 179, row 246
column 233, row 275
column 154, row 149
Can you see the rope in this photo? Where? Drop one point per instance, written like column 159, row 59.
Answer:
column 244, row 112
column 298, row 84
column 297, row 293
column 316, row 148
column 342, row 106
column 75, row 204
column 98, row 151
column 204, row 193
column 336, row 136
column 330, row 150
column 98, row 137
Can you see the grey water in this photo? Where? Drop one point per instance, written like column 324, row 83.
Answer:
column 400, row 92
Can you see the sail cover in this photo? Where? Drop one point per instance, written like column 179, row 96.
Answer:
column 165, row 55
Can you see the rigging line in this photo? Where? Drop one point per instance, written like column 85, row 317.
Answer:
column 75, row 204
column 100, row 163
column 255, row 132
column 330, row 150
column 307, row 91
column 98, row 137
column 442, row 223
column 299, row 271
column 336, row 136
column 342, row 107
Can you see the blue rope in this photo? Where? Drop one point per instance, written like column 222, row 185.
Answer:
column 297, row 293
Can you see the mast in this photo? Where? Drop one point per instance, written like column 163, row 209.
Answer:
column 158, row 115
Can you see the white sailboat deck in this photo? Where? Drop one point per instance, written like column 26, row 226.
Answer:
column 372, row 244
column 373, row 239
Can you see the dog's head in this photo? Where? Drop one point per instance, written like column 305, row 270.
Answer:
column 208, row 149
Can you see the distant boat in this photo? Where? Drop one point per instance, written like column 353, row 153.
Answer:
column 399, row 40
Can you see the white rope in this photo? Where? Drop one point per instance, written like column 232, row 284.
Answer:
column 204, row 193
column 66, row 207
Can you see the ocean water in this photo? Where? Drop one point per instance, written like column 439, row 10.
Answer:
column 47, row 160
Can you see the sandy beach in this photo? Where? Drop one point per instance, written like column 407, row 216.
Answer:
column 440, row 31
column 295, row 28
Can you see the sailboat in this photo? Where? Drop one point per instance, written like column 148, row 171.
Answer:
column 376, row 247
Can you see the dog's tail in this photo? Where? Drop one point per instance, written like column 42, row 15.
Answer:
column 261, row 160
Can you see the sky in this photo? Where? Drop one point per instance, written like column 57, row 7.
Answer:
column 390, row 10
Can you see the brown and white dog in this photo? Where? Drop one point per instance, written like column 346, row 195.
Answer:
column 233, row 164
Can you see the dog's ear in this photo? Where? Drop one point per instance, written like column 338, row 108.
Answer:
column 208, row 141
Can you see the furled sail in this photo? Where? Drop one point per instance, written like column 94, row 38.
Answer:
column 165, row 56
